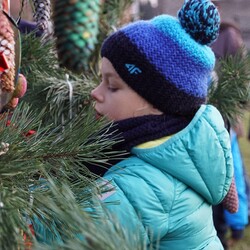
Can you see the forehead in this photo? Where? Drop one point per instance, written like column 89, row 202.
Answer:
column 107, row 67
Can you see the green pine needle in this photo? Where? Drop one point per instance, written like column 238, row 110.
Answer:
column 230, row 93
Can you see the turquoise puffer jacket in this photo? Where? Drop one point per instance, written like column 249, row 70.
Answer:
column 167, row 191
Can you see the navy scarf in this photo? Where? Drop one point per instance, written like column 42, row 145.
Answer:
column 134, row 131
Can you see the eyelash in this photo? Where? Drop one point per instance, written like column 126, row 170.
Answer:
column 112, row 89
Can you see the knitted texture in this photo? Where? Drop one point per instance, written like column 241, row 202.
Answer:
column 76, row 30
column 231, row 201
column 166, row 60
column 205, row 31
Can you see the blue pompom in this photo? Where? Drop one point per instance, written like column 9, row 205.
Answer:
column 201, row 19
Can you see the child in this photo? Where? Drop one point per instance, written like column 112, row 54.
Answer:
column 154, row 86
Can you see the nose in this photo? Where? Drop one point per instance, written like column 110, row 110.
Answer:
column 96, row 94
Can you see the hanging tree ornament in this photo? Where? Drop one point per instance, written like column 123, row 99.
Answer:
column 42, row 13
column 12, row 84
column 7, row 59
column 76, row 30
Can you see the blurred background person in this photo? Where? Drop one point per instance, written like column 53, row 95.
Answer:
column 21, row 11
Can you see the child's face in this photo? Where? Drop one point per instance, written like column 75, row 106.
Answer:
column 115, row 100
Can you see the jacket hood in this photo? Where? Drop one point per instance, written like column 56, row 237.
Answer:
column 199, row 155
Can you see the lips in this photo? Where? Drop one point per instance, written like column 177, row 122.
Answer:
column 98, row 115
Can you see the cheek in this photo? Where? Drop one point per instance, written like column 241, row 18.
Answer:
column 130, row 106
column 135, row 103
column 117, row 112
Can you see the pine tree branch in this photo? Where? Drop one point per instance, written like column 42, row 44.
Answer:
column 230, row 93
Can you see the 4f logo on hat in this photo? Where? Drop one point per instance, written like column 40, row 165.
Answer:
column 132, row 69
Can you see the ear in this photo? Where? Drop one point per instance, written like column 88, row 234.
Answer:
column 147, row 109
column 156, row 111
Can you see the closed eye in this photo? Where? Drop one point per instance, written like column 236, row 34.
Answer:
column 112, row 89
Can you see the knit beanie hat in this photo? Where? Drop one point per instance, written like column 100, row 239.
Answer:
column 167, row 60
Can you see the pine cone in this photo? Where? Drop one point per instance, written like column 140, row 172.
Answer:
column 42, row 13
column 76, row 29
column 7, row 49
